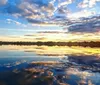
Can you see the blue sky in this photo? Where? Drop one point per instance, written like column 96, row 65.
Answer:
column 43, row 14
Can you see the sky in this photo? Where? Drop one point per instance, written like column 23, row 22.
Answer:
column 31, row 15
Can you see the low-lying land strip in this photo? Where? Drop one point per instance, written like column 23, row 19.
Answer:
column 50, row 43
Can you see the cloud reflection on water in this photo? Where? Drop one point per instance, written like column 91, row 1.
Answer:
column 75, row 65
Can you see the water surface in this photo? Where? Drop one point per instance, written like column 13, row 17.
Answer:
column 43, row 65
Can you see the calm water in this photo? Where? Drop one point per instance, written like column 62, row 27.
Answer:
column 20, row 67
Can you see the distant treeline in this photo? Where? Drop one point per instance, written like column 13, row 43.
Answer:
column 50, row 43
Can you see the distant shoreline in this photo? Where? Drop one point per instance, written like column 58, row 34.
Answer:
column 50, row 43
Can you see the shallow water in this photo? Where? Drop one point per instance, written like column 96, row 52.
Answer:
column 29, row 66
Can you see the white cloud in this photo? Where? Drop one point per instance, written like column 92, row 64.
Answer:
column 10, row 21
column 82, row 5
column 92, row 3
column 13, row 21
column 53, row 1
column 65, row 3
column 32, row 11
column 87, row 3
column 49, row 10
column 35, row 12
column 83, row 13
column 61, row 5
